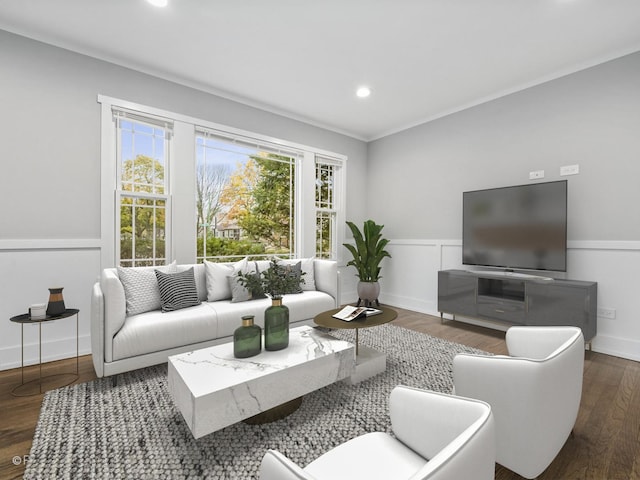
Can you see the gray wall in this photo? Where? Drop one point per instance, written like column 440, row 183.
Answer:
column 51, row 134
column 50, row 180
column 590, row 118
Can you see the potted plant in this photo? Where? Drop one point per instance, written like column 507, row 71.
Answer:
column 367, row 254
column 276, row 281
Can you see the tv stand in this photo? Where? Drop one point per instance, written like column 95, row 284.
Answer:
column 518, row 299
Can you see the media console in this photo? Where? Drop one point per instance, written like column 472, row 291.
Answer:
column 519, row 299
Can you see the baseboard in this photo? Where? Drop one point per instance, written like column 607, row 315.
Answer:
column 52, row 350
column 618, row 347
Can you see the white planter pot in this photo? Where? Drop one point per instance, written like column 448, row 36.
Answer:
column 368, row 293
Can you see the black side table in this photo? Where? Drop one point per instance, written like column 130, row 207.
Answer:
column 26, row 388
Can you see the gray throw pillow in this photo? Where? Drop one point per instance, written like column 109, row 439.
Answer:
column 177, row 290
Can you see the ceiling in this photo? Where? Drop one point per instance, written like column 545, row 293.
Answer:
column 304, row 59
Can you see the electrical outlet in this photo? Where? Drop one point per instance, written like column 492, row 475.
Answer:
column 537, row 174
column 605, row 312
column 570, row 170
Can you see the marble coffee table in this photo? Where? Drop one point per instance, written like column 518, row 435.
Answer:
column 213, row 390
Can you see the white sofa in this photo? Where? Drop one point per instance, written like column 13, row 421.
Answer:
column 121, row 342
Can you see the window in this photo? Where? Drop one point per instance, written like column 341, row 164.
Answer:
column 326, row 208
column 174, row 187
column 142, row 194
column 245, row 198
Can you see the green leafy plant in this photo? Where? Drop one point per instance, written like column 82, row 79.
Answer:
column 368, row 251
column 275, row 281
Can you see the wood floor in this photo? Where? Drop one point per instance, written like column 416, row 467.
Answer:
column 605, row 444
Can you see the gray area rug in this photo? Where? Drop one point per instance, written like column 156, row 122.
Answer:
column 133, row 430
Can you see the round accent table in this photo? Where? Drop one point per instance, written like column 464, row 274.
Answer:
column 34, row 387
column 369, row 362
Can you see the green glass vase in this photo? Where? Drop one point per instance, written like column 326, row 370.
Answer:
column 276, row 325
column 247, row 339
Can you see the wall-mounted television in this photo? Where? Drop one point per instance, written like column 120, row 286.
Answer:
column 518, row 227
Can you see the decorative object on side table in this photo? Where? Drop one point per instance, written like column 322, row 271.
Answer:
column 279, row 279
column 56, row 302
column 247, row 339
column 367, row 254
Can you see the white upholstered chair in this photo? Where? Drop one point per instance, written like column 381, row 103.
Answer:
column 436, row 436
column 534, row 393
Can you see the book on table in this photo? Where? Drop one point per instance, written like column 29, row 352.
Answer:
column 350, row 313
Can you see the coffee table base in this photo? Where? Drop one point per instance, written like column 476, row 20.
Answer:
column 369, row 363
column 275, row 413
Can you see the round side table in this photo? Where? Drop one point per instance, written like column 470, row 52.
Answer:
column 326, row 319
column 28, row 388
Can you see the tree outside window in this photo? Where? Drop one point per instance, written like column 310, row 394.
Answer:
column 245, row 201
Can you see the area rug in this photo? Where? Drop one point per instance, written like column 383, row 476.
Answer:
column 133, row 430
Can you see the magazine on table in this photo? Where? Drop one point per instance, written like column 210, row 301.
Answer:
column 350, row 312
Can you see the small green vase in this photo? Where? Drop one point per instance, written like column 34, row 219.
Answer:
column 276, row 325
column 247, row 339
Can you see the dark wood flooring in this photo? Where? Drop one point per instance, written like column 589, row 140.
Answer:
column 605, row 444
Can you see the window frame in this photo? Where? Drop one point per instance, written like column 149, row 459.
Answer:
column 180, row 232
column 167, row 127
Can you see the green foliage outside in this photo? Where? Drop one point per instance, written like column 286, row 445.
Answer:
column 269, row 219
column 142, row 221
column 229, row 248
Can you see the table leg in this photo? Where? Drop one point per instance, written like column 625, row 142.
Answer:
column 77, row 342
column 40, row 356
column 22, row 352
column 357, row 329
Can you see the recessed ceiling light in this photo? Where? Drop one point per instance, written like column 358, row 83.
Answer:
column 363, row 92
column 158, row 3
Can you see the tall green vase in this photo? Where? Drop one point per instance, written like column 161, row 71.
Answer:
column 276, row 325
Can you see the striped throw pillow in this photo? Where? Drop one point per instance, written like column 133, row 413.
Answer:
column 177, row 290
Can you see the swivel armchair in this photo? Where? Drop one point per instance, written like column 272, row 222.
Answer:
column 534, row 393
column 436, row 436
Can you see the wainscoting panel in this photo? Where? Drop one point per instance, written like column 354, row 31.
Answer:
column 28, row 269
column 410, row 281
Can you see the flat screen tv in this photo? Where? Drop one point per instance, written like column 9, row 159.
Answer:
column 519, row 227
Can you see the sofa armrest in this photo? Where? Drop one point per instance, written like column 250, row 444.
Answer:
column 97, row 329
column 325, row 274
column 115, row 308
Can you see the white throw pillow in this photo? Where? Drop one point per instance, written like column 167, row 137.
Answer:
column 141, row 287
column 217, row 282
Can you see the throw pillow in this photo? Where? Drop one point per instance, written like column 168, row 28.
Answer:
column 177, row 290
column 239, row 293
column 217, row 283
column 307, row 268
column 141, row 287
column 294, row 271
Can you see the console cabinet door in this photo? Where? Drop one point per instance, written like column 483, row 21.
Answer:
column 457, row 293
column 557, row 304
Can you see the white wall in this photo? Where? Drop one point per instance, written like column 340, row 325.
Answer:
column 591, row 118
column 50, row 177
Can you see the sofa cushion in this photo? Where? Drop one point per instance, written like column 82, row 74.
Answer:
column 156, row 331
column 141, row 287
column 217, row 283
column 177, row 290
